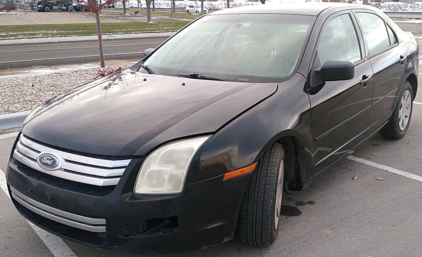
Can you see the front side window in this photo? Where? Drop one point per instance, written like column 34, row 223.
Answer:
column 338, row 41
column 243, row 48
column 374, row 31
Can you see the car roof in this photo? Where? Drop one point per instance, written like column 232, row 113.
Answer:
column 311, row 9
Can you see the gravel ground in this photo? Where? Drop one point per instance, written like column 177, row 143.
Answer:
column 25, row 89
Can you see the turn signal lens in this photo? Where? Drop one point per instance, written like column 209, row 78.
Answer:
column 239, row 172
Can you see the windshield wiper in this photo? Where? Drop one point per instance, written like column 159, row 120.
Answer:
column 198, row 76
column 145, row 67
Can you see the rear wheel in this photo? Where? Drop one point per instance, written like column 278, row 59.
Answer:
column 47, row 8
column 399, row 122
column 260, row 211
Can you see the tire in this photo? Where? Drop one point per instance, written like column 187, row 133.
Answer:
column 47, row 8
column 260, row 210
column 65, row 8
column 399, row 122
column 187, row 11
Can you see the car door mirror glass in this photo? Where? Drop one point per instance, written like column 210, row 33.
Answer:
column 336, row 70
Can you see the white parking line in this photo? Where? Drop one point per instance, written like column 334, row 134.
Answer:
column 9, row 135
column 417, row 103
column 54, row 243
column 386, row 168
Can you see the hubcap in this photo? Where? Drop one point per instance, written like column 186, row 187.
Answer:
column 279, row 194
column 405, row 109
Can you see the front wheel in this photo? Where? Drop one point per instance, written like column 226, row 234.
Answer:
column 260, row 211
column 399, row 122
column 47, row 8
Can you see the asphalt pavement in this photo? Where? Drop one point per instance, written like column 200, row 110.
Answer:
column 377, row 214
column 55, row 53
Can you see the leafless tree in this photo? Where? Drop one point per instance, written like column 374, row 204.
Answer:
column 148, row 2
column 124, row 6
column 95, row 7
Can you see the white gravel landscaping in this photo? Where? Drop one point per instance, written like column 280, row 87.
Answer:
column 25, row 89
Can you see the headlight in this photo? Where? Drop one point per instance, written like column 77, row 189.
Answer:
column 164, row 170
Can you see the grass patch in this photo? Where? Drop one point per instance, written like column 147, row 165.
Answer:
column 87, row 29
column 166, row 14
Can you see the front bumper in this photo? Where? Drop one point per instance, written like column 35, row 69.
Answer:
column 204, row 214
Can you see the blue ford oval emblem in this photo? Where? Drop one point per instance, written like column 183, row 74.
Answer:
column 49, row 161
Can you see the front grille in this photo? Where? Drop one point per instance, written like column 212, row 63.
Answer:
column 77, row 168
column 66, row 218
column 61, row 183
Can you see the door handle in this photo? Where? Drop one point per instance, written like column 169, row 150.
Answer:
column 402, row 59
column 365, row 79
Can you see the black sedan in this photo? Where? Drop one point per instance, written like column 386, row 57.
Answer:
column 199, row 140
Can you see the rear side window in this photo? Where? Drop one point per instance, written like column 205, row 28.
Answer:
column 374, row 31
column 338, row 41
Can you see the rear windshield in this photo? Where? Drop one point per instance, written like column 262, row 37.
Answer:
column 241, row 47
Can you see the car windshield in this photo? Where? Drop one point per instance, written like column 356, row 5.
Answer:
column 244, row 48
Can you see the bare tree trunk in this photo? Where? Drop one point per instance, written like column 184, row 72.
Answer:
column 148, row 10
column 171, row 8
column 174, row 6
column 153, row 5
column 365, row 2
column 202, row 6
column 100, row 39
column 228, row 3
column 124, row 6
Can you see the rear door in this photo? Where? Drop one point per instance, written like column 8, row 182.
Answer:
column 387, row 61
column 340, row 109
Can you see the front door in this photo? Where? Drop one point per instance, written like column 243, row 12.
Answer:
column 340, row 109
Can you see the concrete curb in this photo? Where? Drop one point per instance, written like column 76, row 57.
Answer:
column 80, row 38
column 405, row 15
column 12, row 120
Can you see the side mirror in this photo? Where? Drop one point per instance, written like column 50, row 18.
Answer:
column 148, row 51
column 336, row 70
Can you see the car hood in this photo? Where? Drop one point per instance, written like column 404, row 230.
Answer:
column 129, row 113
